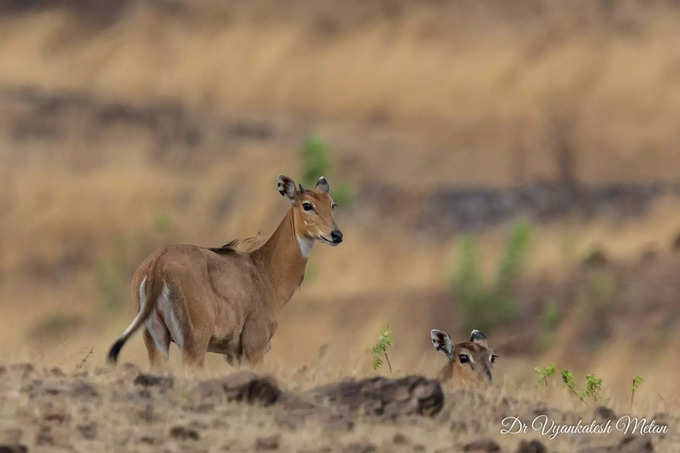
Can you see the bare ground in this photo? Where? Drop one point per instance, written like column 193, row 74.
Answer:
column 126, row 410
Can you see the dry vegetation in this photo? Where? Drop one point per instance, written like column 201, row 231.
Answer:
column 129, row 125
column 126, row 410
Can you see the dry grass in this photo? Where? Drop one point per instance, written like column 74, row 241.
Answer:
column 47, row 409
column 415, row 98
column 485, row 80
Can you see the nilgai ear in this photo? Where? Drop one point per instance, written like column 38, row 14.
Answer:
column 286, row 187
column 478, row 337
column 322, row 184
column 442, row 342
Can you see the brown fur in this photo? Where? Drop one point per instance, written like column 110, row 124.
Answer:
column 477, row 371
column 224, row 300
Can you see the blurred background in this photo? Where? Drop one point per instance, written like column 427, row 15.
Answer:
column 507, row 166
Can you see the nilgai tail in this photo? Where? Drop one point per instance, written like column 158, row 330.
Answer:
column 145, row 308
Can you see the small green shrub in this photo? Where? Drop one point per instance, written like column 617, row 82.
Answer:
column 379, row 350
column 110, row 277
column 316, row 162
column 162, row 222
column 544, row 373
column 54, row 326
column 593, row 387
column 569, row 382
column 514, row 259
column 550, row 319
column 485, row 306
column 342, row 194
column 637, row 382
column 112, row 272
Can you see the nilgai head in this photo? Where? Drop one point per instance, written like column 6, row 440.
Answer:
column 312, row 211
column 470, row 362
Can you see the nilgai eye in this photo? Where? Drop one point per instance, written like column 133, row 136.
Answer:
column 493, row 358
column 307, row 206
column 463, row 358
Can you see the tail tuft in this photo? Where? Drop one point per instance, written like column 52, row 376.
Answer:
column 115, row 350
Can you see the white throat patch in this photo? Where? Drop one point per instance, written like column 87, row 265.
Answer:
column 305, row 246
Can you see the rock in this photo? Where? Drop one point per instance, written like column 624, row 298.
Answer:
column 243, row 387
column 148, row 440
column 84, row 390
column 648, row 255
column 44, row 437
column 384, row 397
column 605, row 413
column 128, row 367
column 11, row 436
column 629, row 444
column 16, row 448
column 533, row 446
column 325, row 449
column 56, row 416
column 56, row 372
column 359, row 447
column 268, row 443
column 150, row 380
column 635, row 444
column 184, row 433
column 88, row 431
column 23, row 370
column 482, row 445
column 596, row 258
column 399, row 439
column 100, row 371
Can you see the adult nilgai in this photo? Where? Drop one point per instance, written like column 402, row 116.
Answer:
column 224, row 300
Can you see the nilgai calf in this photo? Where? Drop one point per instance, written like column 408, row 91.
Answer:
column 469, row 362
column 224, row 300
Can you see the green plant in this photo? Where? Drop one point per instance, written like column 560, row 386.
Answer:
column 593, row 387
column 637, row 382
column 379, row 350
column 485, row 306
column 544, row 372
column 569, row 382
column 550, row 318
column 513, row 260
column 316, row 162
column 55, row 325
column 591, row 390
column 110, row 277
column 162, row 222
column 112, row 271
column 342, row 194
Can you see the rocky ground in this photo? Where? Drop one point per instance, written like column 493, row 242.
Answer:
column 127, row 410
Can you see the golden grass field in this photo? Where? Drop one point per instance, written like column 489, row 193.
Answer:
column 127, row 126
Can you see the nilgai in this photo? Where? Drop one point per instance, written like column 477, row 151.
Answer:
column 224, row 300
column 470, row 362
